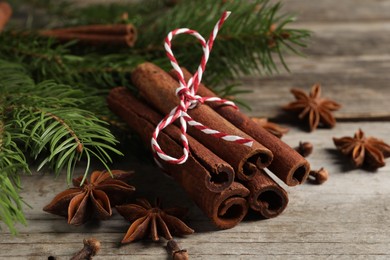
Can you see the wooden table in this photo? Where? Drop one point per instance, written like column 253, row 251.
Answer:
column 346, row 218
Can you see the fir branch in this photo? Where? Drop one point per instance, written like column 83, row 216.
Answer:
column 248, row 41
column 90, row 71
column 12, row 163
column 65, row 13
column 255, row 35
column 44, row 121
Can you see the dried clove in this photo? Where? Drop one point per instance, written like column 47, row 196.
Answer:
column 304, row 148
column 318, row 177
column 176, row 252
column 90, row 249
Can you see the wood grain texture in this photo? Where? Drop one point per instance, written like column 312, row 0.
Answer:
column 359, row 83
column 346, row 10
column 348, row 217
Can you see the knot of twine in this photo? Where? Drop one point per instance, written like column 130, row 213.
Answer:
column 188, row 98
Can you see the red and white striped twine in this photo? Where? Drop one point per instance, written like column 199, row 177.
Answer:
column 188, row 98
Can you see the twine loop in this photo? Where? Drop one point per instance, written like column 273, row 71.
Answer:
column 186, row 92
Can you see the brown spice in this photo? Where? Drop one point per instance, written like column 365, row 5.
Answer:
column 266, row 196
column 98, row 34
column 318, row 177
column 93, row 199
column 175, row 251
column 90, row 249
column 314, row 108
column 5, row 14
column 287, row 164
column 202, row 165
column 226, row 208
column 364, row 151
column 304, row 148
column 149, row 220
column 158, row 88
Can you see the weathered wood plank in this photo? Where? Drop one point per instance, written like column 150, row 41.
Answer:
column 331, row 10
column 324, row 11
column 347, row 38
column 346, row 218
column 359, row 83
column 210, row 249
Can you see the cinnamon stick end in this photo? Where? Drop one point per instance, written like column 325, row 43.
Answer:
column 270, row 202
column 298, row 174
column 231, row 212
column 252, row 165
column 220, row 178
column 232, row 206
column 264, row 159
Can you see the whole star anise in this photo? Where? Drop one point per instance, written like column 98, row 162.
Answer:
column 364, row 151
column 149, row 220
column 273, row 128
column 93, row 199
column 318, row 110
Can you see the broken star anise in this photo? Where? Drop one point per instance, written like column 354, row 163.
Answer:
column 92, row 199
column 273, row 128
column 318, row 110
column 364, row 151
column 153, row 221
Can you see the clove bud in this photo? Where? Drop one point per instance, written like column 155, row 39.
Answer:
column 90, row 249
column 319, row 177
column 175, row 251
column 304, row 148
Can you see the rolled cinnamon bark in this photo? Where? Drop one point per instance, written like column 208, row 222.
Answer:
column 107, row 29
column 287, row 164
column 202, row 165
column 158, row 88
column 119, row 34
column 5, row 14
column 225, row 209
column 266, row 196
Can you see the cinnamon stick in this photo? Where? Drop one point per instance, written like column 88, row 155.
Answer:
column 202, row 165
column 117, row 34
column 266, row 196
column 287, row 164
column 158, row 88
column 108, row 29
column 5, row 14
column 225, row 209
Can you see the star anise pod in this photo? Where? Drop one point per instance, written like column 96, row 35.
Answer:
column 316, row 109
column 364, row 151
column 92, row 199
column 273, row 128
column 153, row 221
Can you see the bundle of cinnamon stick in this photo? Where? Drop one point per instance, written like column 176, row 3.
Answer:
column 124, row 35
column 225, row 179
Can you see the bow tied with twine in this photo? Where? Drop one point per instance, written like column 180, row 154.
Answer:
column 189, row 99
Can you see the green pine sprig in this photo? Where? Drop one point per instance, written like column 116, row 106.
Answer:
column 45, row 122
column 254, row 37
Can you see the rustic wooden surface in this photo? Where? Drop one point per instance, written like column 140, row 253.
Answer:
column 346, row 218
